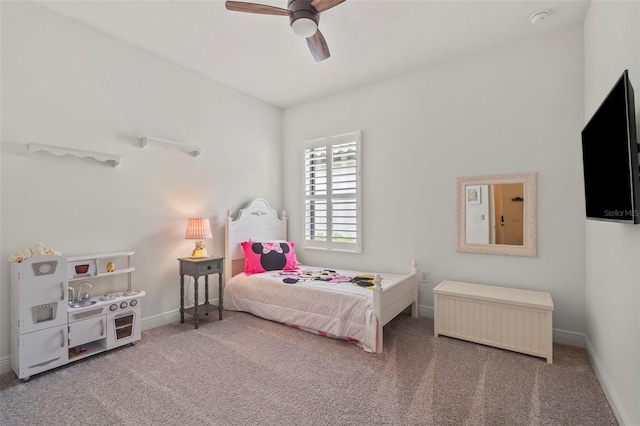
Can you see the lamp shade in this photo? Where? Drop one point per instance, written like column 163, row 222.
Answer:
column 197, row 229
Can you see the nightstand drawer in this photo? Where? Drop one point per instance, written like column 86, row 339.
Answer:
column 211, row 267
column 201, row 267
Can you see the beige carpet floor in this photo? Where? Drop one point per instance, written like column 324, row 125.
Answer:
column 249, row 371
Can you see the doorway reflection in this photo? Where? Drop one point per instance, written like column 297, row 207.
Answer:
column 495, row 214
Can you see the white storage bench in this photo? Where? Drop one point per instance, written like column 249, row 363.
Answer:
column 507, row 318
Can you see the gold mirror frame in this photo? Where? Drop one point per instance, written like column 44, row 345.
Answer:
column 529, row 248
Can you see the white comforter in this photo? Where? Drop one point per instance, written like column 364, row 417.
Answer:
column 341, row 310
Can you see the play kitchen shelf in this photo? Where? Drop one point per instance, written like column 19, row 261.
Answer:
column 52, row 325
column 100, row 265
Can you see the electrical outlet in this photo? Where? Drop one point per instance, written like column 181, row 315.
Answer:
column 424, row 276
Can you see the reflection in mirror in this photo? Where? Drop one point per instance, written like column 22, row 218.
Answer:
column 496, row 214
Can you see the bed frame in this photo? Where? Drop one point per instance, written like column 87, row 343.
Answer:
column 259, row 222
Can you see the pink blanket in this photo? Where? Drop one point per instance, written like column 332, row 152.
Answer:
column 329, row 308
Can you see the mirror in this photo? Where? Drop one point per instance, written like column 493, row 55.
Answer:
column 496, row 214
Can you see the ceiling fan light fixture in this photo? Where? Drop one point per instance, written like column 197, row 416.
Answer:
column 304, row 16
column 304, row 27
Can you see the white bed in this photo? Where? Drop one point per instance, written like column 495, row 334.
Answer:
column 341, row 310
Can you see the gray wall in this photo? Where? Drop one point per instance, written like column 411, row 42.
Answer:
column 612, row 44
column 516, row 108
column 66, row 84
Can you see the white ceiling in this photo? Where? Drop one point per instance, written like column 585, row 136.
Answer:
column 369, row 40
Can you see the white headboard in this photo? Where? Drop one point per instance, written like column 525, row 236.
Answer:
column 257, row 222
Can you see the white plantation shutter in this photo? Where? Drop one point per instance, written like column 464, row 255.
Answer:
column 332, row 193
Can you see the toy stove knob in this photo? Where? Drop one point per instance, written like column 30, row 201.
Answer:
column 134, row 302
column 113, row 307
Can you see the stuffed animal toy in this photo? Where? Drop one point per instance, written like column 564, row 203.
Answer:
column 38, row 249
column 200, row 250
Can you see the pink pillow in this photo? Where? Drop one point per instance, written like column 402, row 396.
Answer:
column 268, row 256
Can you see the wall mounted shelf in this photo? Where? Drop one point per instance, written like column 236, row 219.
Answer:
column 102, row 157
column 191, row 149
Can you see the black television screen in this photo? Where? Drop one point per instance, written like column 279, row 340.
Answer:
column 610, row 158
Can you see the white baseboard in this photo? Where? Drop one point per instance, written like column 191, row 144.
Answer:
column 563, row 337
column 566, row 337
column 165, row 318
column 5, row 364
column 607, row 387
column 425, row 311
column 160, row 319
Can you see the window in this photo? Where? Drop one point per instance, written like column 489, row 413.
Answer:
column 332, row 193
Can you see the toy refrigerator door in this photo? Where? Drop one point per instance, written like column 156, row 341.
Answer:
column 42, row 350
column 43, row 297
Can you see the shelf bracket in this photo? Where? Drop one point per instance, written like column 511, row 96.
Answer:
column 102, row 157
column 191, row 149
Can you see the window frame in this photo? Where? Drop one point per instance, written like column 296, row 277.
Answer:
column 330, row 244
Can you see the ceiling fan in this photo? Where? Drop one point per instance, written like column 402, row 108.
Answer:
column 304, row 16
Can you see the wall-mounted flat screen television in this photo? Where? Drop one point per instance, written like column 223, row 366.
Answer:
column 610, row 158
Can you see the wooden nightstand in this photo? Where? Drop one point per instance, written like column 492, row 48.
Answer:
column 196, row 268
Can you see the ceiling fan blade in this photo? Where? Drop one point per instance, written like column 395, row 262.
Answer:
column 239, row 6
column 322, row 5
column 318, row 46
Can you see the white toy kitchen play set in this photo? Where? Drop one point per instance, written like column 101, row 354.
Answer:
column 51, row 325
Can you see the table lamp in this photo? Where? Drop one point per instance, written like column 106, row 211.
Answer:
column 197, row 229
